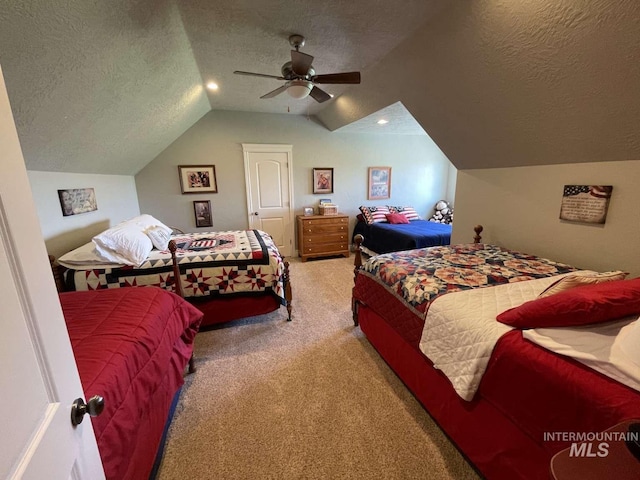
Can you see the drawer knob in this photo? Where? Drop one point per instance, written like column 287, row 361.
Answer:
column 309, row 230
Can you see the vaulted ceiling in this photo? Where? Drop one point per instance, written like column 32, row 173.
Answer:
column 104, row 86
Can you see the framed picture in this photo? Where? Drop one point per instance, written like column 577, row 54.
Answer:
column 202, row 210
column 323, row 180
column 585, row 203
column 77, row 200
column 379, row 183
column 198, row 178
column 308, row 211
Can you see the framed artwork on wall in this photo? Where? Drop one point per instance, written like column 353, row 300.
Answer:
column 379, row 183
column 198, row 178
column 585, row 203
column 74, row 201
column 323, row 180
column 202, row 210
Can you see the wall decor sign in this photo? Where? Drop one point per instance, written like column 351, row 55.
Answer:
column 198, row 178
column 323, row 180
column 202, row 210
column 77, row 200
column 379, row 183
column 585, row 203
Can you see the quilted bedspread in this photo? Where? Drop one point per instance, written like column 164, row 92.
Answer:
column 420, row 276
column 460, row 330
column 211, row 263
column 131, row 346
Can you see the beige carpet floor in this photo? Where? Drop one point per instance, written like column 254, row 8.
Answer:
column 307, row 399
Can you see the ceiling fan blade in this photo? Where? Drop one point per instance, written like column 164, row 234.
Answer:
column 300, row 62
column 319, row 95
column 275, row 92
column 335, row 78
column 238, row 72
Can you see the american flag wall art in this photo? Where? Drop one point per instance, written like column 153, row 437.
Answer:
column 585, row 203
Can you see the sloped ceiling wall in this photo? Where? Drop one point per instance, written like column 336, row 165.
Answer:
column 504, row 83
column 104, row 86
column 98, row 87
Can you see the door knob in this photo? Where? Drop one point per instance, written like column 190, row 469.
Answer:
column 94, row 407
column 255, row 213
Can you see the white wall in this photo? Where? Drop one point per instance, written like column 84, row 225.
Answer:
column 115, row 195
column 420, row 171
column 519, row 209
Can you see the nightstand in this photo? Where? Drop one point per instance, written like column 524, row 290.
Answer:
column 323, row 236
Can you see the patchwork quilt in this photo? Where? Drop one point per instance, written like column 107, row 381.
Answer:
column 211, row 263
column 419, row 276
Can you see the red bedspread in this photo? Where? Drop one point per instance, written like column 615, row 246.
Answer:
column 131, row 346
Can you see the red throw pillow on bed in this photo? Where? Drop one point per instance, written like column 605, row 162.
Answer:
column 578, row 306
column 396, row 218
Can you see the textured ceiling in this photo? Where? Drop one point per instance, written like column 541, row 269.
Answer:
column 399, row 121
column 103, row 86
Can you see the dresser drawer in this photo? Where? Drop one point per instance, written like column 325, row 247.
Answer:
column 316, row 239
column 325, row 248
column 325, row 221
column 324, row 228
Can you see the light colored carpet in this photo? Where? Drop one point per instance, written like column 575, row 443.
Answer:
column 307, row 399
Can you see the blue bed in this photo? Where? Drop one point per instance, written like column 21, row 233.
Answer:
column 382, row 237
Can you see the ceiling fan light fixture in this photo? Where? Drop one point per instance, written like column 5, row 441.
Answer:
column 299, row 88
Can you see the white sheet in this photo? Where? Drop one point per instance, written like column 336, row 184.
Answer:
column 461, row 329
column 597, row 346
column 85, row 257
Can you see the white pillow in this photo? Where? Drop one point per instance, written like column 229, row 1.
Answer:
column 125, row 243
column 145, row 221
column 159, row 235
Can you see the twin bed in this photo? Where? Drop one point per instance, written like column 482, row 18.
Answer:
column 495, row 390
column 390, row 229
column 133, row 345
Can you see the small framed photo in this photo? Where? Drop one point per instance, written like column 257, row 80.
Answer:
column 74, row 201
column 308, row 211
column 379, row 183
column 202, row 210
column 323, row 180
column 198, row 178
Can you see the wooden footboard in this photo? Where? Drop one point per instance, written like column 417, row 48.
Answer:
column 357, row 263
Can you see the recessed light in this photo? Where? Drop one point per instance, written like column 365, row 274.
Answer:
column 382, row 121
column 212, row 86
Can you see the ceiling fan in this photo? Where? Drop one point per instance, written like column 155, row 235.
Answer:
column 301, row 77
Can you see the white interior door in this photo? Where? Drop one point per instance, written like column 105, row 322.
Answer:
column 38, row 376
column 268, row 175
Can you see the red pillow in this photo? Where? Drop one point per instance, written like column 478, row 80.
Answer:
column 396, row 218
column 578, row 306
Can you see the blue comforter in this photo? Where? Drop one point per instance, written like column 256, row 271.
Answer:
column 386, row 237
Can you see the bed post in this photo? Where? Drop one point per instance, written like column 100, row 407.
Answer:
column 286, row 280
column 357, row 265
column 58, row 275
column 478, row 229
column 178, row 288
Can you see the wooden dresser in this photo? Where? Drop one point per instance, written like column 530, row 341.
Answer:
column 323, row 236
